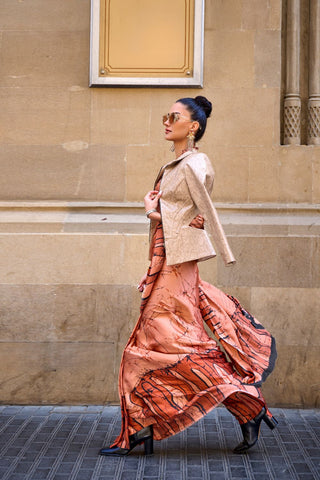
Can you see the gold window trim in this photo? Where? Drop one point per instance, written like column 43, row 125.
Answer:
column 147, row 42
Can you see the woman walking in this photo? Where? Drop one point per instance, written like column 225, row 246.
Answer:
column 172, row 372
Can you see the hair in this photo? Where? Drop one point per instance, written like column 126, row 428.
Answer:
column 200, row 109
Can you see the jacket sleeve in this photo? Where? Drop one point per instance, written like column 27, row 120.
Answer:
column 196, row 181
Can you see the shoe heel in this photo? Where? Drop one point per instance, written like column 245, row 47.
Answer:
column 148, row 446
column 272, row 422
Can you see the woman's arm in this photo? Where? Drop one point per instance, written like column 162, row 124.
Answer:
column 151, row 202
column 195, row 178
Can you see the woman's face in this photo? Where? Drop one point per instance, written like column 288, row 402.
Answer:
column 178, row 130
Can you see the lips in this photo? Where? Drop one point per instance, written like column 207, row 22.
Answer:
column 167, row 130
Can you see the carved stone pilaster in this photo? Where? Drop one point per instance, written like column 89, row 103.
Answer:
column 314, row 75
column 314, row 121
column 292, row 101
column 292, row 120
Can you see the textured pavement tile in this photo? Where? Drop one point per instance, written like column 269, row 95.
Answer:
column 173, row 476
column 70, row 457
column 128, row 475
column 85, row 475
column 301, row 468
column 292, row 447
column 63, row 443
column 40, row 474
column 307, row 476
column 151, row 471
column 218, row 476
column 238, row 472
column 173, row 464
column 109, row 465
column 258, row 467
column 45, row 463
column 89, row 463
column 13, row 452
column 65, row 468
column 193, row 460
column 60, row 477
column 262, row 476
column 17, row 476
column 22, row 467
column 2, row 471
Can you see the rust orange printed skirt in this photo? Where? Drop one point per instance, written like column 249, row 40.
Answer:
column 172, row 372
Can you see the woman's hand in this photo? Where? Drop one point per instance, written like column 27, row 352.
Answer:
column 151, row 200
column 142, row 283
column 197, row 222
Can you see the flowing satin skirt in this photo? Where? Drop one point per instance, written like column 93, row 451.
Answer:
column 172, row 372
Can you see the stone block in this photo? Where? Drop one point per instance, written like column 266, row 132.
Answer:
column 135, row 255
column 295, row 174
column 290, row 314
column 315, row 253
column 316, row 176
column 39, row 116
column 31, row 16
column 143, row 164
column 28, row 220
column 77, row 122
column 58, row 373
column 242, row 117
column 256, row 14
column 104, row 176
column 73, row 258
column 43, row 59
column 269, row 262
column 267, row 61
column 229, row 59
column 68, row 313
column 208, row 270
column 277, row 121
column 120, row 117
column 221, row 15
column 295, row 380
column 72, row 171
column 242, row 294
column 275, row 14
column 231, row 173
column 264, row 181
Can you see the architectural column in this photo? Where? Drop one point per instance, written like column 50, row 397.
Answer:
column 314, row 75
column 292, row 100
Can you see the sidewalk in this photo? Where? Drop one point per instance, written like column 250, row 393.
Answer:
column 62, row 443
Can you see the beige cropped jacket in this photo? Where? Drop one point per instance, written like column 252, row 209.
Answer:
column 186, row 185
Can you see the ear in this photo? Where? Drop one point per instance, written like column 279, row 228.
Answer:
column 195, row 127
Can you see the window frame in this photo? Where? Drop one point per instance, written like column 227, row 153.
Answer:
column 194, row 80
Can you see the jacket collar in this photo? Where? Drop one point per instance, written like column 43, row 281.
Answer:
column 176, row 160
column 172, row 162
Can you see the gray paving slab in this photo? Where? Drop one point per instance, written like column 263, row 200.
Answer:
column 62, row 443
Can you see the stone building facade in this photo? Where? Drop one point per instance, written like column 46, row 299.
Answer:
column 76, row 162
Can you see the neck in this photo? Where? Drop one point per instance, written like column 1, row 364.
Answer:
column 180, row 148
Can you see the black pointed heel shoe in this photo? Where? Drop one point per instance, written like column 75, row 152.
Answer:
column 144, row 436
column 251, row 430
column 272, row 422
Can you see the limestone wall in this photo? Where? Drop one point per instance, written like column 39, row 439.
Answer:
column 75, row 164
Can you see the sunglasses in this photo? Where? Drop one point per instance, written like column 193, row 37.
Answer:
column 172, row 117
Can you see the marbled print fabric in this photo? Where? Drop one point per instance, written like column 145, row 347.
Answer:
column 172, row 372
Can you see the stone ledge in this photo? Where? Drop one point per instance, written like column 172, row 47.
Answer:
column 128, row 217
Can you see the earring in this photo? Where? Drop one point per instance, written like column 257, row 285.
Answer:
column 190, row 138
column 172, row 148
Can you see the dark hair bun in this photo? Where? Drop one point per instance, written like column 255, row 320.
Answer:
column 204, row 103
